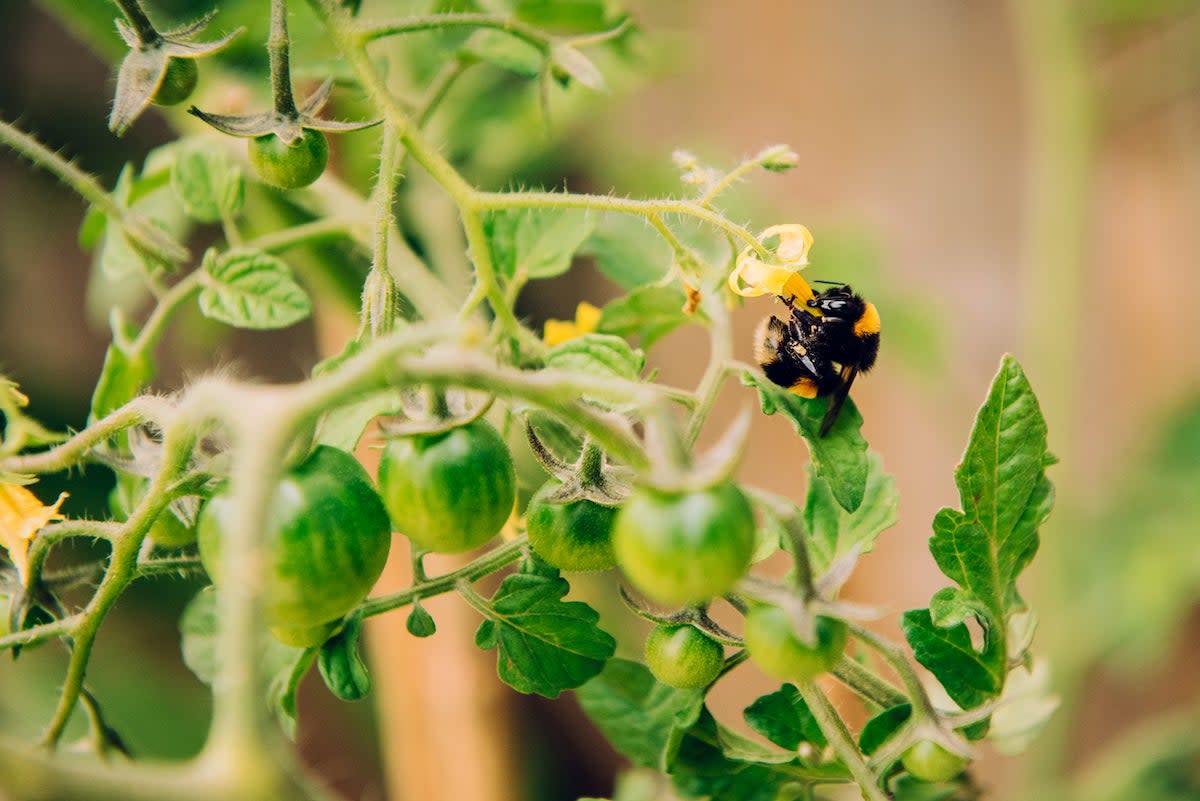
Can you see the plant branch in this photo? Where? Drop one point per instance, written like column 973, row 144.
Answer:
column 866, row 684
column 277, row 51
column 145, row 409
column 431, row 22
column 835, row 731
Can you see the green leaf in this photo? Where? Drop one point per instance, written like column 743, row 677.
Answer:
column 341, row 666
column 1005, row 497
column 601, row 355
column 122, row 377
column 248, row 289
column 971, row 678
column 577, row 15
column 420, row 623
column 285, row 665
column 505, row 51
column 578, row 66
column 905, row 788
column 880, row 728
column 834, row 532
column 643, row 719
column 784, row 719
column 628, row 251
column 536, row 243
column 343, row 427
column 208, row 184
column 648, row 312
column 1024, row 709
column 840, row 458
column 544, row 645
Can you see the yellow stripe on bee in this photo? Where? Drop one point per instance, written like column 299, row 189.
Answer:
column 868, row 323
column 804, row 387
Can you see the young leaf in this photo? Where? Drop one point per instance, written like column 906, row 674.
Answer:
column 544, row 645
column 880, row 728
column 341, row 666
column 208, row 185
column 537, row 243
column 1005, row 496
column 505, row 51
column 833, row 531
column 840, row 458
column 420, row 623
column 648, row 312
column 643, row 719
column 628, row 251
column 784, row 719
column 601, row 355
column 247, row 289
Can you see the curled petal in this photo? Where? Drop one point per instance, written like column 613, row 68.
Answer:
column 794, row 241
column 753, row 277
column 22, row 515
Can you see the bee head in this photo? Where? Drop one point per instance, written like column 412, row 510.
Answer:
column 839, row 302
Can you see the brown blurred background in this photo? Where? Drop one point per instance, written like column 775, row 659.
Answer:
column 1000, row 177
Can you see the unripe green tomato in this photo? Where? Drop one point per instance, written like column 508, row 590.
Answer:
column 170, row 532
column 178, row 83
column 683, row 657
column 778, row 651
column 289, row 166
column 570, row 536
column 929, row 762
column 327, row 538
column 451, row 491
column 680, row 548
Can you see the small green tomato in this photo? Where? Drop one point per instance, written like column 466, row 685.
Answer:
column 289, row 166
column 929, row 762
column 775, row 648
column 683, row 657
column 178, row 83
column 570, row 536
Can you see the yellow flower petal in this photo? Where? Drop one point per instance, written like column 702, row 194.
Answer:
column 22, row 515
column 753, row 277
column 794, row 243
column 587, row 317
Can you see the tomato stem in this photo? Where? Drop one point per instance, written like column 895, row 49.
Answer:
column 277, row 51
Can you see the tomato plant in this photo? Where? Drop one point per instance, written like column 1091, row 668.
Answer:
column 449, row 491
column 327, row 538
column 411, row 231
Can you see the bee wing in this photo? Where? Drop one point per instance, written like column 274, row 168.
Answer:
column 849, row 373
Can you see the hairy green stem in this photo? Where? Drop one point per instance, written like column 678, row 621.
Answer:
column 140, row 410
column 510, row 25
column 840, row 740
column 485, row 565
column 307, row 233
column 41, row 632
column 867, row 685
column 278, row 46
column 138, row 20
column 922, row 706
column 156, row 324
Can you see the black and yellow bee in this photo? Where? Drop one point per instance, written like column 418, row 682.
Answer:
column 826, row 342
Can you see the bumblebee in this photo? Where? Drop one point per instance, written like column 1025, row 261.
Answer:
column 822, row 347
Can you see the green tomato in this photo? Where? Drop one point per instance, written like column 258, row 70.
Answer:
column 570, row 536
column 681, row 548
column 775, row 647
column 289, row 166
column 170, row 532
column 327, row 539
column 683, row 657
column 451, row 491
column 178, row 83
column 929, row 762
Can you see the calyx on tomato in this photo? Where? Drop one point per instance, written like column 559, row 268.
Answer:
column 327, row 539
column 570, row 535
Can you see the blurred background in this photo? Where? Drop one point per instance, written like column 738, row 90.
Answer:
column 998, row 177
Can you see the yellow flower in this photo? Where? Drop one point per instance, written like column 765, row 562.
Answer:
column 753, row 277
column 21, row 516
column 587, row 317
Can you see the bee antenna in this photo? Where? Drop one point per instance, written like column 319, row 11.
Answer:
column 831, row 283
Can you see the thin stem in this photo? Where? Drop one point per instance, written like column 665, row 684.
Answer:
column 438, row 88
column 528, row 33
column 728, row 180
column 141, row 23
column 75, row 450
column 35, row 635
column 144, row 234
column 277, row 51
column 302, row 234
column 719, row 355
column 922, row 706
column 480, row 251
column 485, row 565
column 175, row 297
column 866, row 684
column 835, row 731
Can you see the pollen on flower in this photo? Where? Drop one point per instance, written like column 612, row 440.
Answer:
column 22, row 515
column 587, row 317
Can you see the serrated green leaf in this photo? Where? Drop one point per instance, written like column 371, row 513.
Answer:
column 834, row 532
column 601, row 355
column 643, row 719
column 950, row 606
column 970, row 677
column 648, row 312
column 505, row 51
column 341, row 665
column 1005, row 497
column 285, row 665
column 208, row 184
column 536, row 243
column 840, row 457
column 880, row 728
column 628, row 251
column 249, row 289
column 544, row 645
column 784, row 719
